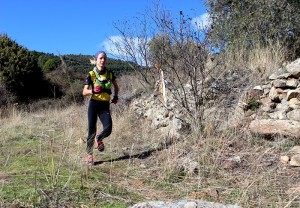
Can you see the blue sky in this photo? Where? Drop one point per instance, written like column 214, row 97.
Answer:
column 78, row 26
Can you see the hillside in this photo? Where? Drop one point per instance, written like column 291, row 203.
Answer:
column 81, row 63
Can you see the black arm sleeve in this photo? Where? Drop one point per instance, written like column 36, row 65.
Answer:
column 113, row 76
column 88, row 80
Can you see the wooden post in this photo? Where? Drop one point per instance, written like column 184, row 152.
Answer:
column 162, row 86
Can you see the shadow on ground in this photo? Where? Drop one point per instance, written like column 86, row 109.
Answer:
column 143, row 155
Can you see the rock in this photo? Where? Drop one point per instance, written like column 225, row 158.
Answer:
column 258, row 88
column 282, row 106
column 143, row 166
column 280, row 73
column 190, row 205
column 292, row 83
column 182, row 204
column 266, row 88
column 294, row 115
column 295, row 150
column 284, row 159
column 295, row 160
column 294, row 68
column 231, row 163
column 294, row 103
column 79, row 141
column 190, row 167
column 284, row 76
column 281, row 115
column 280, row 102
column 274, row 94
column 265, row 101
column 271, row 127
column 267, row 104
column 293, row 94
column 279, row 83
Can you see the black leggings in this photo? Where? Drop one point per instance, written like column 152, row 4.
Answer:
column 98, row 109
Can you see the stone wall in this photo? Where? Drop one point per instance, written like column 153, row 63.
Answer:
column 279, row 109
column 278, row 102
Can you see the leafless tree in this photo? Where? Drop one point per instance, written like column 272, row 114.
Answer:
column 178, row 46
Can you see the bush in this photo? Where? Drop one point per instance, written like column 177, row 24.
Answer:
column 51, row 64
column 19, row 71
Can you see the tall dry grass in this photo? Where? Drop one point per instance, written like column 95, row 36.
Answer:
column 260, row 59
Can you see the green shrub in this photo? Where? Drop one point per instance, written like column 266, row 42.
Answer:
column 253, row 104
column 51, row 64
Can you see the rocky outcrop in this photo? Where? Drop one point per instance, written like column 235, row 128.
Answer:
column 170, row 119
column 272, row 108
column 177, row 116
column 276, row 106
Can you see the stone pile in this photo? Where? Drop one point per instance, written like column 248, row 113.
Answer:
column 279, row 111
column 170, row 118
column 278, row 101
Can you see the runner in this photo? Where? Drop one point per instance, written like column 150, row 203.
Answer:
column 98, row 85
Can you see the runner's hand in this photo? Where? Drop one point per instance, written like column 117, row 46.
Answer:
column 115, row 99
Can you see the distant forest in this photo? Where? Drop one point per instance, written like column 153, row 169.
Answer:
column 79, row 63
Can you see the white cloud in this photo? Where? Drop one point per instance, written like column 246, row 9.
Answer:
column 115, row 46
column 110, row 46
column 201, row 22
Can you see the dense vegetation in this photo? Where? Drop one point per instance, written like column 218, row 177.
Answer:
column 19, row 73
column 247, row 23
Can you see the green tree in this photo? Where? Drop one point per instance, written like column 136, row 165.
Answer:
column 42, row 58
column 246, row 23
column 159, row 47
column 51, row 64
column 19, row 70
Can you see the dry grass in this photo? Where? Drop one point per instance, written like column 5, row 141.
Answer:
column 261, row 60
column 140, row 163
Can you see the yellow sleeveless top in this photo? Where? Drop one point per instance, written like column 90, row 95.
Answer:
column 102, row 96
